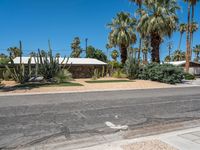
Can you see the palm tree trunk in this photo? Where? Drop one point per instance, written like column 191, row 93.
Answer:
column 191, row 33
column 139, row 50
column 187, row 65
column 179, row 45
column 123, row 50
column 140, row 40
column 155, row 44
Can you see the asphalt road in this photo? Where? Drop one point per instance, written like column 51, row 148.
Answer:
column 30, row 119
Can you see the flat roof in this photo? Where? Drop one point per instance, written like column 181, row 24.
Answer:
column 179, row 63
column 71, row 61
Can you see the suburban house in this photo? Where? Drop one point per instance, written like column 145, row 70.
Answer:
column 194, row 66
column 79, row 67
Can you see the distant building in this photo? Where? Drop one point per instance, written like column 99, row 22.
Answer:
column 194, row 66
column 79, row 67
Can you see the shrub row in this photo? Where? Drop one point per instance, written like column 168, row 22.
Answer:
column 165, row 73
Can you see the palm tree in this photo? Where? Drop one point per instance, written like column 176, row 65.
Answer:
column 178, row 56
column 115, row 55
column 122, row 33
column 193, row 28
column 14, row 52
column 108, row 46
column 167, row 58
column 196, row 50
column 139, row 3
column 145, row 53
column 159, row 19
column 193, row 3
column 170, row 46
column 188, row 51
column 76, row 49
column 57, row 55
column 182, row 29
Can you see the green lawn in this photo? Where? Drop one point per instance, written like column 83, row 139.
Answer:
column 37, row 85
column 108, row 81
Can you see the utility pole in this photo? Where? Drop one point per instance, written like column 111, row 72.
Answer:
column 86, row 44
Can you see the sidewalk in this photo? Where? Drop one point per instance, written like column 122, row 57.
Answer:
column 188, row 139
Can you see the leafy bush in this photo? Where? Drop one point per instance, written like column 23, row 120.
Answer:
column 165, row 73
column 131, row 68
column 188, row 76
column 4, row 60
column 92, row 52
column 63, row 76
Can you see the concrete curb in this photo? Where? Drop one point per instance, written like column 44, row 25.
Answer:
column 88, row 91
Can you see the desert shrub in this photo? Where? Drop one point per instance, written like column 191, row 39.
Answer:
column 119, row 73
column 132, row 68
column 63, row 76
column 4, row 60
column 165, row 73
column 189, row 76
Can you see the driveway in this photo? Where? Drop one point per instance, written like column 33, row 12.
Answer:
column 32, row 119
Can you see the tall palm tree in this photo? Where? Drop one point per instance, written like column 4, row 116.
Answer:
column 139, row 3
column 122, row 33
column 169, row 46
column 182, row 29
column 196, row 50
column 145, row 53
column 159, row 19
column 188, row 51
column 193, row 4
column 193, row 28
column 108, row 46
column 115, row 55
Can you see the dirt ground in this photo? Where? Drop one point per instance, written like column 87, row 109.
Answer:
column 136, row 84
column 149, row 145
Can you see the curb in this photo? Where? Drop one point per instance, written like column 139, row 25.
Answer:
column 90, row 91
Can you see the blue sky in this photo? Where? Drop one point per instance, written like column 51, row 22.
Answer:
column 36, row 21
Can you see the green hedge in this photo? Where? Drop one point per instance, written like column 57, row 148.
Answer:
column 164, row 73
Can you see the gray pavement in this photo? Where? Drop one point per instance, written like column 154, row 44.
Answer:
column 32, row 119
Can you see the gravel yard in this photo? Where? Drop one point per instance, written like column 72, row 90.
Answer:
column 135, row 84
column 149, row 145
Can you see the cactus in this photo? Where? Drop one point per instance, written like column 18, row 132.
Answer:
column 48, row 65
column 19, row 72
column 103, row 71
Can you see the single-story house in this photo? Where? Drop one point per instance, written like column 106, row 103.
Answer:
column 79, row 67
column 194, row 66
